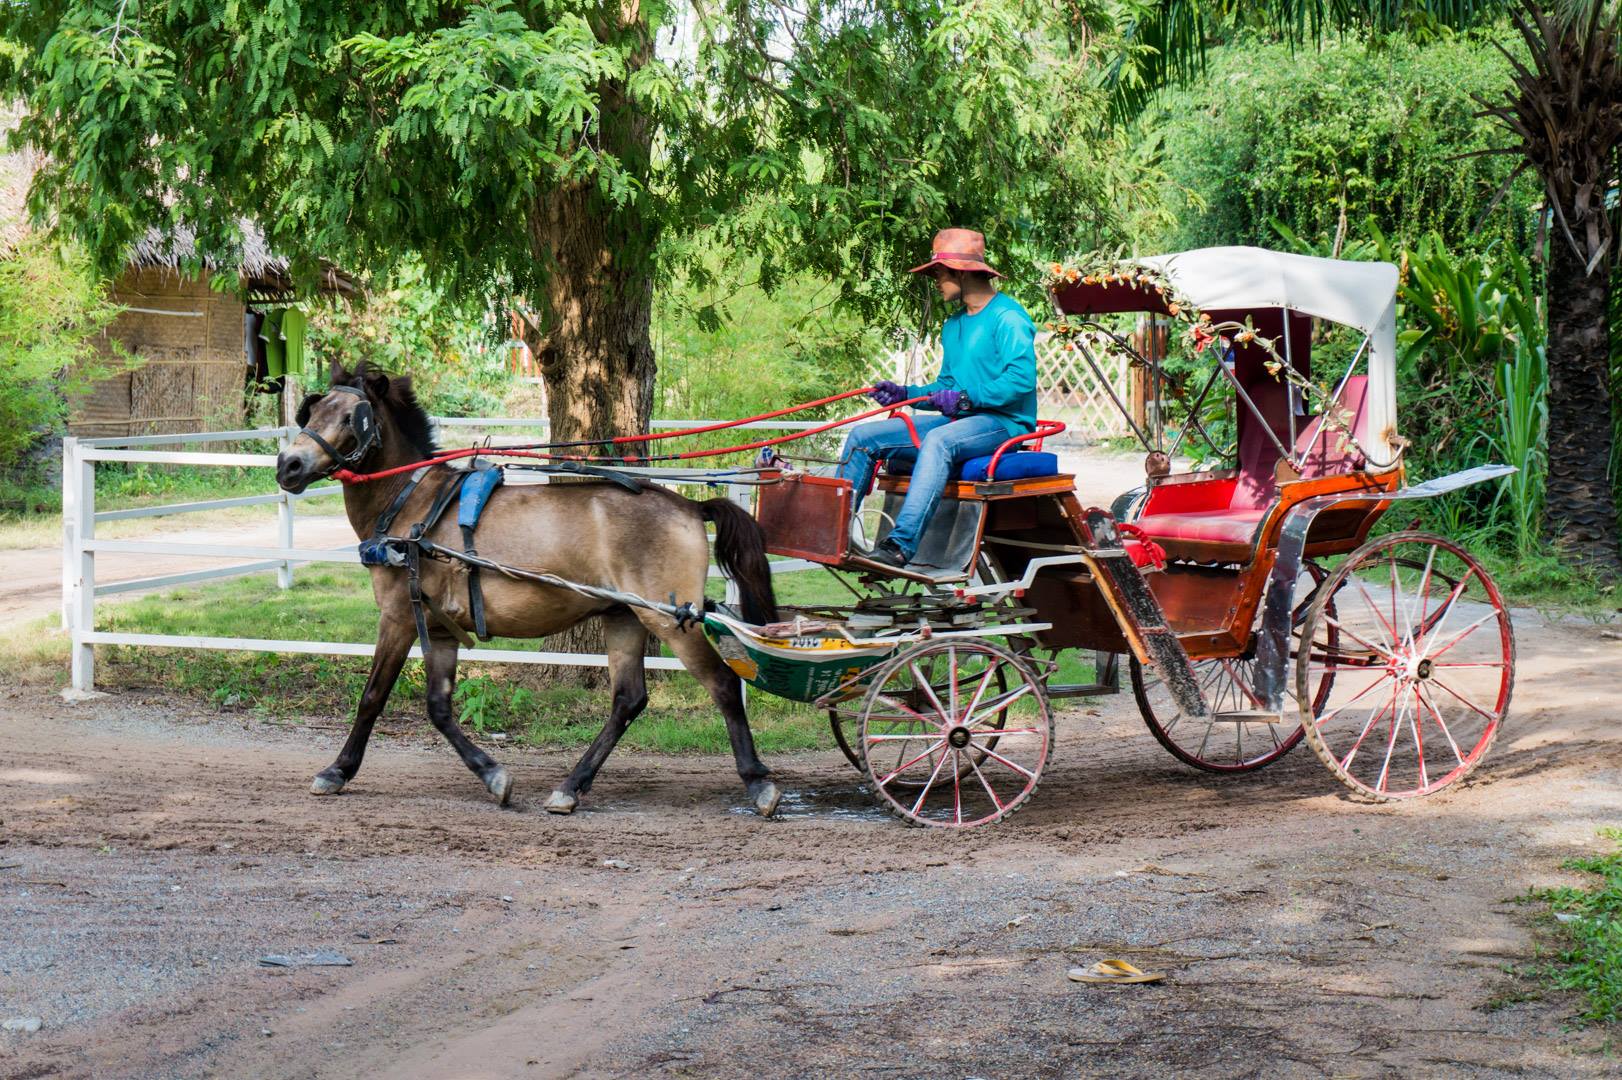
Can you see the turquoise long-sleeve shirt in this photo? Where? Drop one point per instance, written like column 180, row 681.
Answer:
column 991, row 356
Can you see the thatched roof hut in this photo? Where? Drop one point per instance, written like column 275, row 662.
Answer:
column 264, row 274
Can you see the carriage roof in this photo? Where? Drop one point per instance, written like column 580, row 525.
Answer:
column 1242, row 281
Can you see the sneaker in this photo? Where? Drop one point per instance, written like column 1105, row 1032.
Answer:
column 889, row 553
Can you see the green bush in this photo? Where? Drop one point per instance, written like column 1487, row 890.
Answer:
column 1355, row 129
column 51, row 311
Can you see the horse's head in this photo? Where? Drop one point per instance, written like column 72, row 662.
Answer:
column 338, row 429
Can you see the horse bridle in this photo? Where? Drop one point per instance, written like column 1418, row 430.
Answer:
column 364, row 423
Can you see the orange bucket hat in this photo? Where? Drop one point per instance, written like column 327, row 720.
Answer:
column 957, row 249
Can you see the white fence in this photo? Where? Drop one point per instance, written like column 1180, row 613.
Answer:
column 81, row 547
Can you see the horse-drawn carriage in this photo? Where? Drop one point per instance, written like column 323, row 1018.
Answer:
column 1252, row 606
column 1395, row 663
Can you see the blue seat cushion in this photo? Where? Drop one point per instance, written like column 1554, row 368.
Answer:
column 1014, row 465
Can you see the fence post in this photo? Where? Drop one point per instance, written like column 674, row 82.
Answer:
column 82, row 618
column 284, row 523
column 70, row 507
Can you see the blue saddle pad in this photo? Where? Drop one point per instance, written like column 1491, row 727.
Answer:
column 476, row 491
column 1014, row 465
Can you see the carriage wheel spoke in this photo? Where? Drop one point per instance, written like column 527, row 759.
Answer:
column 1387, row 634
column 1343, row 706
column 1436, row 714
column 1332, row 621
column 930, row 783
column 1022, row 770
column 1002, row 733
column 1419, row 741
column 1396, row 730
column 1447, row 609
column 929, row 692
column 1396, row 605
column 1466, row 702
column 1462, row 634
column 1374, row 715
column 899, row 769
column 998, row 803
column 957, row 785
column 999, row 703
column 1422, row 594
column 979, row 692
column 917, row 716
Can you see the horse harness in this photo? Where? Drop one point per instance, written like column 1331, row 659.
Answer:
column 473, row 488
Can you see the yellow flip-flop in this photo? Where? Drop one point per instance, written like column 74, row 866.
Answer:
column 1113, row 971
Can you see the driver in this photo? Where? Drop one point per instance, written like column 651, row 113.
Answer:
column 986, row 392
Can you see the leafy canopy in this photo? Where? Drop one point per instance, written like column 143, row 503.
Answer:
column 832, row 137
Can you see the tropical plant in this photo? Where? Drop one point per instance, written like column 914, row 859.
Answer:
column 1562, row 109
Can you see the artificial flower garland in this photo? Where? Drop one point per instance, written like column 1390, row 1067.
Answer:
column 1106, row 270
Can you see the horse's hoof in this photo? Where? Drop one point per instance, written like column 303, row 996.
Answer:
column 766, row 797
column 500, row 784
column 324, row 784
column 561, row 802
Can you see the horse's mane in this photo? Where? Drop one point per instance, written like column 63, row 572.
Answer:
column 400, row 399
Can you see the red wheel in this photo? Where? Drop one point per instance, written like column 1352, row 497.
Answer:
column 1423, row 660
column 1228, row 746
column 969, row 756
column 913, row 687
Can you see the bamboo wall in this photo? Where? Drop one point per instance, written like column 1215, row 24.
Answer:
column 191, row 371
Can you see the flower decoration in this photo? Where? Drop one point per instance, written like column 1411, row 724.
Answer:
column 1105, row 270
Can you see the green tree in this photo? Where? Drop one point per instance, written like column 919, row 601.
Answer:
column 52, row 312
column 565, row 150
column 1562, row 112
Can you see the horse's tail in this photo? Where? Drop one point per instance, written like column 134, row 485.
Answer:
column 740, row 551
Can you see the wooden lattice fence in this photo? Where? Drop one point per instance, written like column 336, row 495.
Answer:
column 1067, row 387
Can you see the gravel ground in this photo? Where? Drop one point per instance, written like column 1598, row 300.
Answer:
column 154, row 851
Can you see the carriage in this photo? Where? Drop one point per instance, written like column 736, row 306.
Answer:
column 1251, row 602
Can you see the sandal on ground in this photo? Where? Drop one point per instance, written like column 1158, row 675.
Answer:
column 1113, row 971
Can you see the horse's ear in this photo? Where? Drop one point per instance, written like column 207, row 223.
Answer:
column 378, row 383
column 302, row 419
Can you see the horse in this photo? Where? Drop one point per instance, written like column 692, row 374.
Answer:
column 649, row 542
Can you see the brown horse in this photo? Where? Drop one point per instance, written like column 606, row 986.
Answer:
column 651, row 544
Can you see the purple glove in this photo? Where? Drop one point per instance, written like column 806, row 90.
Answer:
column 886, row 392
column 949, row 402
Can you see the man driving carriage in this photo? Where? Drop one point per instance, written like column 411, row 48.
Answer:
column 985, row 394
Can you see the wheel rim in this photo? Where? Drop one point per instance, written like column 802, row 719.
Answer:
column 945, row 763
column 1423, row 665
column 1227, row 746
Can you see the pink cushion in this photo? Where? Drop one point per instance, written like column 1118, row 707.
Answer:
column 1324, row 455
column 1225, row 526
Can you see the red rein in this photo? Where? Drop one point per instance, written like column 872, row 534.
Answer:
column 347, row 477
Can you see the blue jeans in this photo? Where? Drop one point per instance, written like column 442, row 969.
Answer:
column 946, row 445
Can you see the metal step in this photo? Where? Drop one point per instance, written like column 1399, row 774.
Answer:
column 1249, row 716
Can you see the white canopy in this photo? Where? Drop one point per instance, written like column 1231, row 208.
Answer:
column 1362, row 295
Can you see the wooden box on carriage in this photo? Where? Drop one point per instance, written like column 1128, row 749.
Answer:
column 805, row 517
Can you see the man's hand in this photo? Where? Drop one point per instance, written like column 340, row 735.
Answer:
column 950, row 402
column 886, row 392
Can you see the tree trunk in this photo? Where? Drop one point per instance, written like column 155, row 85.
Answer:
column 594, row 344
column 1581, row 514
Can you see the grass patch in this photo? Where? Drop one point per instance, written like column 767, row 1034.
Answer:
column 1588, row 921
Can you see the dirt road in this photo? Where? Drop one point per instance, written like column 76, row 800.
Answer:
column 154, row 852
